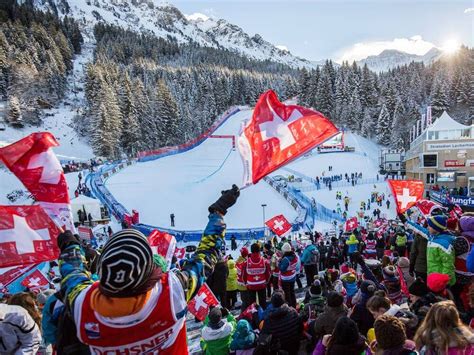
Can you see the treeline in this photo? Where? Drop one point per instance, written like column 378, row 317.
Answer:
column 145, row 92
column 36, row 51
column 385, row 106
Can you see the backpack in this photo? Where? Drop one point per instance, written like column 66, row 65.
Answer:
column 266, row 345
column 313, row 257
column 67, row 341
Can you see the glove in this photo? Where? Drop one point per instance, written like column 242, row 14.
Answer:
column 66, row 239
column 227, row 199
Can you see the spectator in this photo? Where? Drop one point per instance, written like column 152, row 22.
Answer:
column 244, row 338
column 391, row 338
column 334, row 310
column 217, row 332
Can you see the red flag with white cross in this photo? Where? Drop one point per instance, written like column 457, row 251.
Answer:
column 279, row 133
column 163, row 244
column 180, row 253
column 351, row 224
column 199, row 306
column 406, row 193
column 34, row 163
column 27, row 236
column 278, row 225
column 35, row 280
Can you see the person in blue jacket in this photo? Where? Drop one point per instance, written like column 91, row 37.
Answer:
column 470, row 261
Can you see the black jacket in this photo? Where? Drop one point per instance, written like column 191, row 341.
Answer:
column 418, row 260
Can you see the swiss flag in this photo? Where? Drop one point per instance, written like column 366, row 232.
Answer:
column 8, row 275
column 180, row 253
column 351, row 224
column 277, row 134
column 278, row 225
column 200, row 304
column 27, row 236
column 427, row 206
column 163, row 244
column 35, row 280
column 32, row 161
column 406, row 193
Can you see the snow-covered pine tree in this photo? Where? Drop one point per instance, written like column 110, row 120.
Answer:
column 383, row 126
column 167, row 112
column 439, row 97
column 14, row 112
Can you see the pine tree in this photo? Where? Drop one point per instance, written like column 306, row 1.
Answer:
column 14, row 112
column 383, row 126
column 167, row 111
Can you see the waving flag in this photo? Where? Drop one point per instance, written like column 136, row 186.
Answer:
column 406, row 193
column 278, row 225
column 180, row 253
column 163, row 244
column 32, row 161
column 351, row 224
column 277, row 134
column 8, row 275
column 200, row 304
column 36, row 280
column 426, row 207
column 27, row 236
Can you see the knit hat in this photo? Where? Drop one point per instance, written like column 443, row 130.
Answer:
column 244, row 252
column 389, row 332
column 437, row 282
column 439, row 222
column 215, row 318
column 344, row 268
column 403, row 262
column 286, row 248
column 315, row 289
column 335, row 299
column 126, row 262
column 44, row 295
column 278, row 298
column 389, row 272
column 367, row 287
column 418, row 288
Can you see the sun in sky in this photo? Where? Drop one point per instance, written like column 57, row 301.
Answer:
column 451, row 46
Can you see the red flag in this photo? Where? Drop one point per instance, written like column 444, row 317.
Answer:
column 406, row 193
column 199, row 305
column 163, row 244
column 279, row 225
column 11, row 274
column 351, row 224
column 32, row 161
column 27, row 236
column 427, row 206
column 180, row 253
column 277, row 134
column 35, row 280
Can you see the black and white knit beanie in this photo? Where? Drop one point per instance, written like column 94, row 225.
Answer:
column 126, row 262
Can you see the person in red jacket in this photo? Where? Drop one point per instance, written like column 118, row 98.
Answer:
column 256, row 275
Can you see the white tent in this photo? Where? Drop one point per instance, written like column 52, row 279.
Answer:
column 90, row 205
column 446, row 123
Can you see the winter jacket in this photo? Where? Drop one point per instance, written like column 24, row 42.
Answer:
column 244, row 337
column 352, row 244
column 418, row 262
column 19, row 334
column 325, row 323
column 285, row 326
column 361, row 315
column 285, row 262
column 421, row 306
column 217, row 341
column 217, row 280
column 360, row 348
column 310, row 255
column 50, row 317
column 240, row 263
column 463, row 245
column 440, row 252
column 232, row 276
column 313, row 308
column 408, row 348
column 255, row 258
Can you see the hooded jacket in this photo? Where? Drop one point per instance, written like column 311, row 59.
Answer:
column 352, row 244
column 310, row 255
column 361, row 315
column 244, row 337
column 216, row 341
column 232, row 276
column 326, row 322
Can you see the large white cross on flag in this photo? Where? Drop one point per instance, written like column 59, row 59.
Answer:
column 406, row 193
column 27, row 236
column 351, row 224
column 34, row 163
column 278, row 225
column 35, row 280
column 200, row 304
column 279, row 133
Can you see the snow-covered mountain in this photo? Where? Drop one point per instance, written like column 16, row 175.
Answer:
column 391, row 58
column 165, row 20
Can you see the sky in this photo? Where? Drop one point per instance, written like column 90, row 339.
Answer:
column 347, row 29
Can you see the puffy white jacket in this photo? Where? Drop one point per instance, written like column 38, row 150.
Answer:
column 19, row 333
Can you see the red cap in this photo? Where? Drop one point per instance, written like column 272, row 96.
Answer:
column 437, row 282
column 244, row 252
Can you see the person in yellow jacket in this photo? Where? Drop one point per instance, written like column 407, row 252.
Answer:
column 231, row 286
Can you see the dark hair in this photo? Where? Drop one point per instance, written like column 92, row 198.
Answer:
column 255, row 248
column 345, row 334
column 389, row 332
column 335, row 299
column 377, row 301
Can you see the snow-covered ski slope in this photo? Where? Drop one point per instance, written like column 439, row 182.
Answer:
column 186, row 184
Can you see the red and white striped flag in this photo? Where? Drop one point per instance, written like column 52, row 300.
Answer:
column 33, row 161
